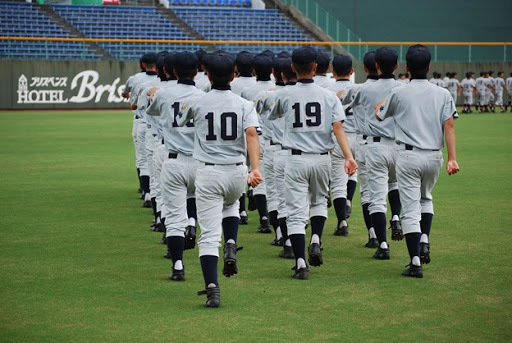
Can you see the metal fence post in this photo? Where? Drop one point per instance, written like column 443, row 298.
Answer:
column 469, row 51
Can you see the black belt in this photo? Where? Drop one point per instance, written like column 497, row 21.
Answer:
column 410, row 147
column 298, row 152
column 154, row 134
column 365, row 136
column 171, row 155
column 163, row 141
column 376, row 139
column 212, row 164
column 272, row 142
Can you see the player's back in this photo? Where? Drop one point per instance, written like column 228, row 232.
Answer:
column 324, row 81
column 252, row 92
column 241, row 82
column 220, row 118
column 349, row 124
column 309, row 112
column 420, row 110
column 509, row 83
column 468, row 85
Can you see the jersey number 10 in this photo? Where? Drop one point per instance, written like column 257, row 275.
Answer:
column 225, row 117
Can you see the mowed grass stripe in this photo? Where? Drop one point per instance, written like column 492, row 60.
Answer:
column 78, row 262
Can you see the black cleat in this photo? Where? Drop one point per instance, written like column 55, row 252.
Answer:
column 158, row 227
column 230, row 267
column 413, row 271
column 251, row 203
column 277, row 242
column 396, row 230
column 372, row 243
column 425, row 253
column 177, row 275
column 381, row 254
column 264, row 226
column 164, row 240
column 190, row 238
column 244, row 220
column 341, row 230
column 315, row 255
column 301, row 273
column 287, row 252
column 147, row 204
column 168, row 255
column 212, row 296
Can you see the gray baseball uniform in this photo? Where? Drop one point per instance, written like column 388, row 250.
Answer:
column 499, row 83
column 468, row 86
column 241, row 82
column 414, row 109
column 324, row 81
column 220, row 118
column 453, row 87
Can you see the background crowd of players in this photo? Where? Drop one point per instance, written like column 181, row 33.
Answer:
column 487, row 90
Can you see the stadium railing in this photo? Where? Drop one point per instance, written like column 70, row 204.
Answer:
column 466, row 51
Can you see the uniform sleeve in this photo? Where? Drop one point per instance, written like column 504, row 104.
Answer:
column 250, row 116
column 351, row 98
column 142, row 100
column 338, row 114
column 449, row 109
column 277, row 108
column 128, row 85
column 388, row 107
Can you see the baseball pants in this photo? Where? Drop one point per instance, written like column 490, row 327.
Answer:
column 261, row 189
column 468, row 98
column 417, row 173
column 218, row 188
column 151, row 143
column 307, row 180
column 362, row 146
column 178, row 181
column 499, row 98
column 280, row 159
column 380, row 163
column 339, row 178
column 270, row 184
column 159, row 157
column 141, row 155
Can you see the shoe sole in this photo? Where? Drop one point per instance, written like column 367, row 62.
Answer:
column 425, row 259
column 397, row 235
column 415, row 275
column 230, row 268
column 315, row 259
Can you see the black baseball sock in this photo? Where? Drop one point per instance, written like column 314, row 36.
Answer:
column 261, row 205
column 298, row 246
column 413, row 243
column 379, row 225
column 351, row 189
column 340, row 207
column 144, row 180
column 366, row 216
column 394, row 202
column 138, row 177
column 191, row 208
column 317, row 226
column 272, row 216
column 426, row 223
column 176, row 246
column 153, row 206
column 209, row 267
column 230, row 228
column 284, row 228
column 241, row 207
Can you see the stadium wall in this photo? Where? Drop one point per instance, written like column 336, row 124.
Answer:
column 98, row 84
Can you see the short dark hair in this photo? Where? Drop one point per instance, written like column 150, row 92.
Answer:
column 221, row 80
column 369, row 62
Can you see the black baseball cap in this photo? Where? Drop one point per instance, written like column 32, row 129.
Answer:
column 220, row 63
column 244, row 58
column 284, row 54
column 386, row 56
column 185, row 61
column 269, row 53
column 418, row 58
column 342, row 64
column 369, row 61
column 304, row 55
column 200, row 53
column 149, row 58
column 322, row 58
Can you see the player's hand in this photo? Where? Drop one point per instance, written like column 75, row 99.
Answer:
column 341, row 93
column 452, row 167
column 152, row 91
column 350, row 166
column 125, row 95
column 254, row 178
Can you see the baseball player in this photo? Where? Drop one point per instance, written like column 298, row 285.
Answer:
column 263, row 68
column 225, row 129
column 179, row 170
column 436, row 79
column 453, row 86
column 499, row 84
column 245, row 78
column 282, row 70
column 323, row 62
column 446, row 78
column 342, row 70
column 381, row 152
column 508, row 83
column 142, row 161
column 130, row 83
column 423, row 114
column 311, row 114
column 468, row 89
column 491, row 95
column 359, row 115
column 489, row 92
column 481, row 89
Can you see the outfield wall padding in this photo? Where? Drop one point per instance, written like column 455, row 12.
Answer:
column 34, row 84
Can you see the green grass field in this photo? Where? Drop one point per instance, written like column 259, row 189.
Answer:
column 78, row 262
